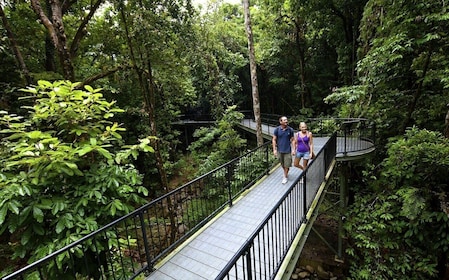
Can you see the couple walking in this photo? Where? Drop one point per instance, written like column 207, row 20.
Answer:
column 287, row 144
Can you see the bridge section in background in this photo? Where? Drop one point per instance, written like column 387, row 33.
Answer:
column 354, row 138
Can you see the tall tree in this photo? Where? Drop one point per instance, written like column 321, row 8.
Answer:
column 399, row 229
column 253, row 70
column 150, row 58
column 218, row 59
column 15, row 47
column 51, row 15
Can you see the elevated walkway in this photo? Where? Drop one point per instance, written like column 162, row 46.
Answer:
column 208, row 252
column 235, row 222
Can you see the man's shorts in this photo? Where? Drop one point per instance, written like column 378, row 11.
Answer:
column 285, row 159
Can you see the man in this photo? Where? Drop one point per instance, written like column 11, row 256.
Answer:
column 283, row 140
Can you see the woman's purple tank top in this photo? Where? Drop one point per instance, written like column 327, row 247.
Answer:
column 302, row 146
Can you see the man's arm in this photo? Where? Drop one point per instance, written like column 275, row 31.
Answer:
column 293, row 144
column 274, row 144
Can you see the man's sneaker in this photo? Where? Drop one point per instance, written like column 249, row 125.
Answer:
column 284, row 180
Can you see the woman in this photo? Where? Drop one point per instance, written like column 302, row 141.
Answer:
column 303, row 146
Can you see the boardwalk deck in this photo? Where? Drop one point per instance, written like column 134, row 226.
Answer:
column 207, row 253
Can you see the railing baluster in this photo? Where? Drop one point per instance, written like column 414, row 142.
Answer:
column 146, row 246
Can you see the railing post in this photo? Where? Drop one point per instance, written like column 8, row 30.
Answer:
column 228, row 183
column 344, row 140
column 267, row 167
column 304, row 195
column 342, row 204
column 145, row 243
column 248, row 262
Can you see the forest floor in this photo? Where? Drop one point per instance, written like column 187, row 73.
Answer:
column 316, row 253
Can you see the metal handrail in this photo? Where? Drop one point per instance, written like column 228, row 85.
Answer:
column 355, row 134
column 131, row 245
column 264, row 252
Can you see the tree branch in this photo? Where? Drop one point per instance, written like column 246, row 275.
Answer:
column 93, row 78
column 45, row 20
column 82, row 28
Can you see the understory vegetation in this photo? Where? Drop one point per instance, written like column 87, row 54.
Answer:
column 95, row 98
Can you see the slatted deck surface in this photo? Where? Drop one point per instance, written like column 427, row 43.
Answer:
column 209, row 251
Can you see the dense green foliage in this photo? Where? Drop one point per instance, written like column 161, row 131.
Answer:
column 65, row 170
column 398, row 228
column 220, row 143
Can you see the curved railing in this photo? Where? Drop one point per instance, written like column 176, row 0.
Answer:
column 132, row 244
column 355, row 136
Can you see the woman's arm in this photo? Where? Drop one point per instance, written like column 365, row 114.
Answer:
column 310, row 143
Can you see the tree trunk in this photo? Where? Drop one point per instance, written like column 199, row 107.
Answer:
column 55, row 28
column 302, row 72
column 15, row 48
column 81, row 32
column 253, row 72
column 417, row 93
column 147, row 85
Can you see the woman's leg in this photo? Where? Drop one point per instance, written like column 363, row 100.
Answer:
column 297, row 159
column 304, row 163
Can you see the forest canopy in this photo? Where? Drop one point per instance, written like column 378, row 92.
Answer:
column 131, row 69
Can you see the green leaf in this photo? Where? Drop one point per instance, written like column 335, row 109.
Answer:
column 104, row 153
column 39, row 229
column 85, row 150
column 26, row 235
column 58, row 206
column 44, row 84
column 3, row 212
column 67, row 171
column 14, row 207
column 93, row 141
column 46, row 203
column 97, row 194
column 89, row 88
column 38, row 214
column 60, row 226
column 148, row 149
column 34, row 134
column 113, row 209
